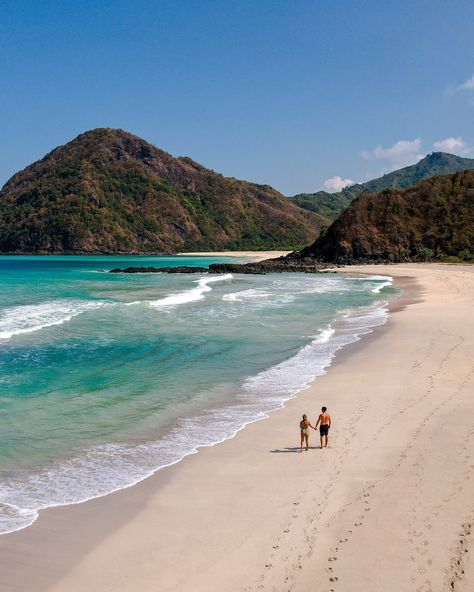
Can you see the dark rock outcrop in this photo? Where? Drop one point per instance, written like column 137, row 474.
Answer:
column 279, row 265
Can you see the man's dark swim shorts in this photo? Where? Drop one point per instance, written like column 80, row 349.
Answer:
column 324, row 430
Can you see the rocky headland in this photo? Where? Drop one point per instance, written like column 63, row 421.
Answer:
column 108, row 191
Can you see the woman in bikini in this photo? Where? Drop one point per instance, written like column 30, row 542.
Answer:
column 304, row 428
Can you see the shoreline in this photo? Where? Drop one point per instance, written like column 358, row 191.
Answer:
column 150, row 536
column 252, row 256
column 367, row 319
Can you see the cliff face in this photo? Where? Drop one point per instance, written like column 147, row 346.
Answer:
column 108, row 191
column 431, row 220
column 331, row 205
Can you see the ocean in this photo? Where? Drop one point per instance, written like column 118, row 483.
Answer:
column 105, row 379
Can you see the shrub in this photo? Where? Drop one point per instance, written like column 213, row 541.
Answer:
column 466, row 255
column 424, row 254
column 450, row 259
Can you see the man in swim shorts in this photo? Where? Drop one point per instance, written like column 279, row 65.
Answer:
column 324, row 422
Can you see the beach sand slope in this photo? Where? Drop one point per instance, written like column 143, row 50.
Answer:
column 388, row 507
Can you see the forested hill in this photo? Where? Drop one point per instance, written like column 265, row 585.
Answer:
column 433, row 220
column 108, row 191
column 331, row 205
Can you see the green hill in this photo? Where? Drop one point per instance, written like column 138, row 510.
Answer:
column 433, row 220
column 331, row 205
column 108, row 191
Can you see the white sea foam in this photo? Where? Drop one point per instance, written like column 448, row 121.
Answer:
column 284, row 380
column 388, row 282
column 102, row 469
column 386, row 279
column 364, row 278
column 34, row 317
column 378, row 277
column 260, row 298
column 29, row 318
column 244, row 295
column 13, row 518
column 324, row 335
column 192, row 294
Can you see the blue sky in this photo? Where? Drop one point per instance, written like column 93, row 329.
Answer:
column 291, row 93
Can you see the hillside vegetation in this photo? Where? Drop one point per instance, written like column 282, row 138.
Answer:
column 433, row 220
column 331, row 205
column 108, row 191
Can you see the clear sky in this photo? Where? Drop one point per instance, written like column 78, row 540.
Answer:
column 291, row 93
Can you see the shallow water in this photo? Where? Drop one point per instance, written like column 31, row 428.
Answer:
column 106, row 378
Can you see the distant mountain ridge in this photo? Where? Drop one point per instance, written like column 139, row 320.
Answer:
column 331, row 205
column 108, row 191
column 432, row 220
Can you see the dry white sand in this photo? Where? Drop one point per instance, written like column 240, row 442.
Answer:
column 249, row 255
column 388, row 507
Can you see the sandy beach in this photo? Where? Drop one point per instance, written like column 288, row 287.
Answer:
column 389, row 506
column 249, row 255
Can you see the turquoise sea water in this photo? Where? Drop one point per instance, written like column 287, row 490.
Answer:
column 106, row 378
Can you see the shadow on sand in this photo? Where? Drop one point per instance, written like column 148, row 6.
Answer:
column 295, row 449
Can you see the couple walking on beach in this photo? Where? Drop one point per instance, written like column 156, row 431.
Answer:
column 324, row 422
